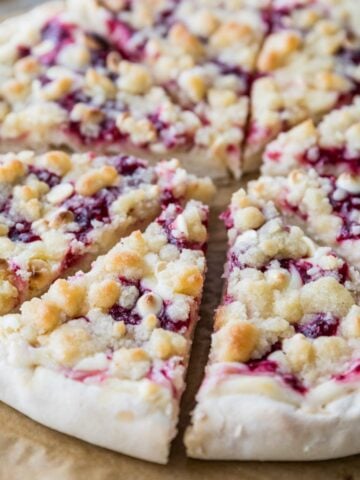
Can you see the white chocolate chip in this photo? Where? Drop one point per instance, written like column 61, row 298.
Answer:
column 60, row 193
column 348, row 182
column 149, row 303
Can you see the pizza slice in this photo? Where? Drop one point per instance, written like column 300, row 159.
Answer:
column 313, row 176
column 326, row 207
column 282, row 381
column 153, row 86
column 102, row 355
column 307, row 67
column 58, row 212
column 331, row 148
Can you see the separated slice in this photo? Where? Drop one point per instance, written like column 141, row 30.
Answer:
column 331, row 148
column 102, row 355
column 307, row 68
column 282, row 381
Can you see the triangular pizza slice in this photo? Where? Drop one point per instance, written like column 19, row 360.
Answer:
column 306, row 68
column 102, row 355
column 282, row 382
column 331, row 148
column 58, row 212
column 313, row 176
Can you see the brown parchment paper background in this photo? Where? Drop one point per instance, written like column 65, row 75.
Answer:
column 29, row 451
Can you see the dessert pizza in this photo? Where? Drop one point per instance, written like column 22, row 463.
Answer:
column 59, row 211
column 102, row 355
column 153, row 85
column 282, row 381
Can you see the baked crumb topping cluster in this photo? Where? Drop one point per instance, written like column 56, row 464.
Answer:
column 289, row 320
column 129, row 318
column 59, row 211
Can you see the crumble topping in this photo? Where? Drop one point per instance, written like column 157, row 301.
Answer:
column 326, row 206
column 330, row 148
column 289, row 315
column 130, row 317
column 309, row 67
column 162, row 86
column 59, row 211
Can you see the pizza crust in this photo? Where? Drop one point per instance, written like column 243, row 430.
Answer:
column 254, row 427
column 109, row 417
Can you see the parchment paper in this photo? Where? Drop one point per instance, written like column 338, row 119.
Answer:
column 29, row 451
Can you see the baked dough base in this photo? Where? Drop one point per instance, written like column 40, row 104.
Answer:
column 108, row 416
column 254, row 427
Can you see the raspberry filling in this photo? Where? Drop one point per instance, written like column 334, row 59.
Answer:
column 50, row 178
column 165, row 18
column 323, row 325
column 292, row 209
column 274, row 18
column 126, row 315
column 180, row 326
column 307, row 271
column 60, row 35
column 99, row 50
column 69, row 101
column 352, row 374
column 130, row 317
column 23, row 51
column 169, row 137
column 257, row 133
column 122, row 37
column 324, row 159
column 71, row 258
column 179, row 240
column 21, row 229
column 88, row 210
column 310, row 272
column 227, row 218
column 128, row 165
column 22, row 232
column 245, row 76
column 107, row 133
column 82, row 375
column 346, row 207
column 271, row 367
column 163, row 374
